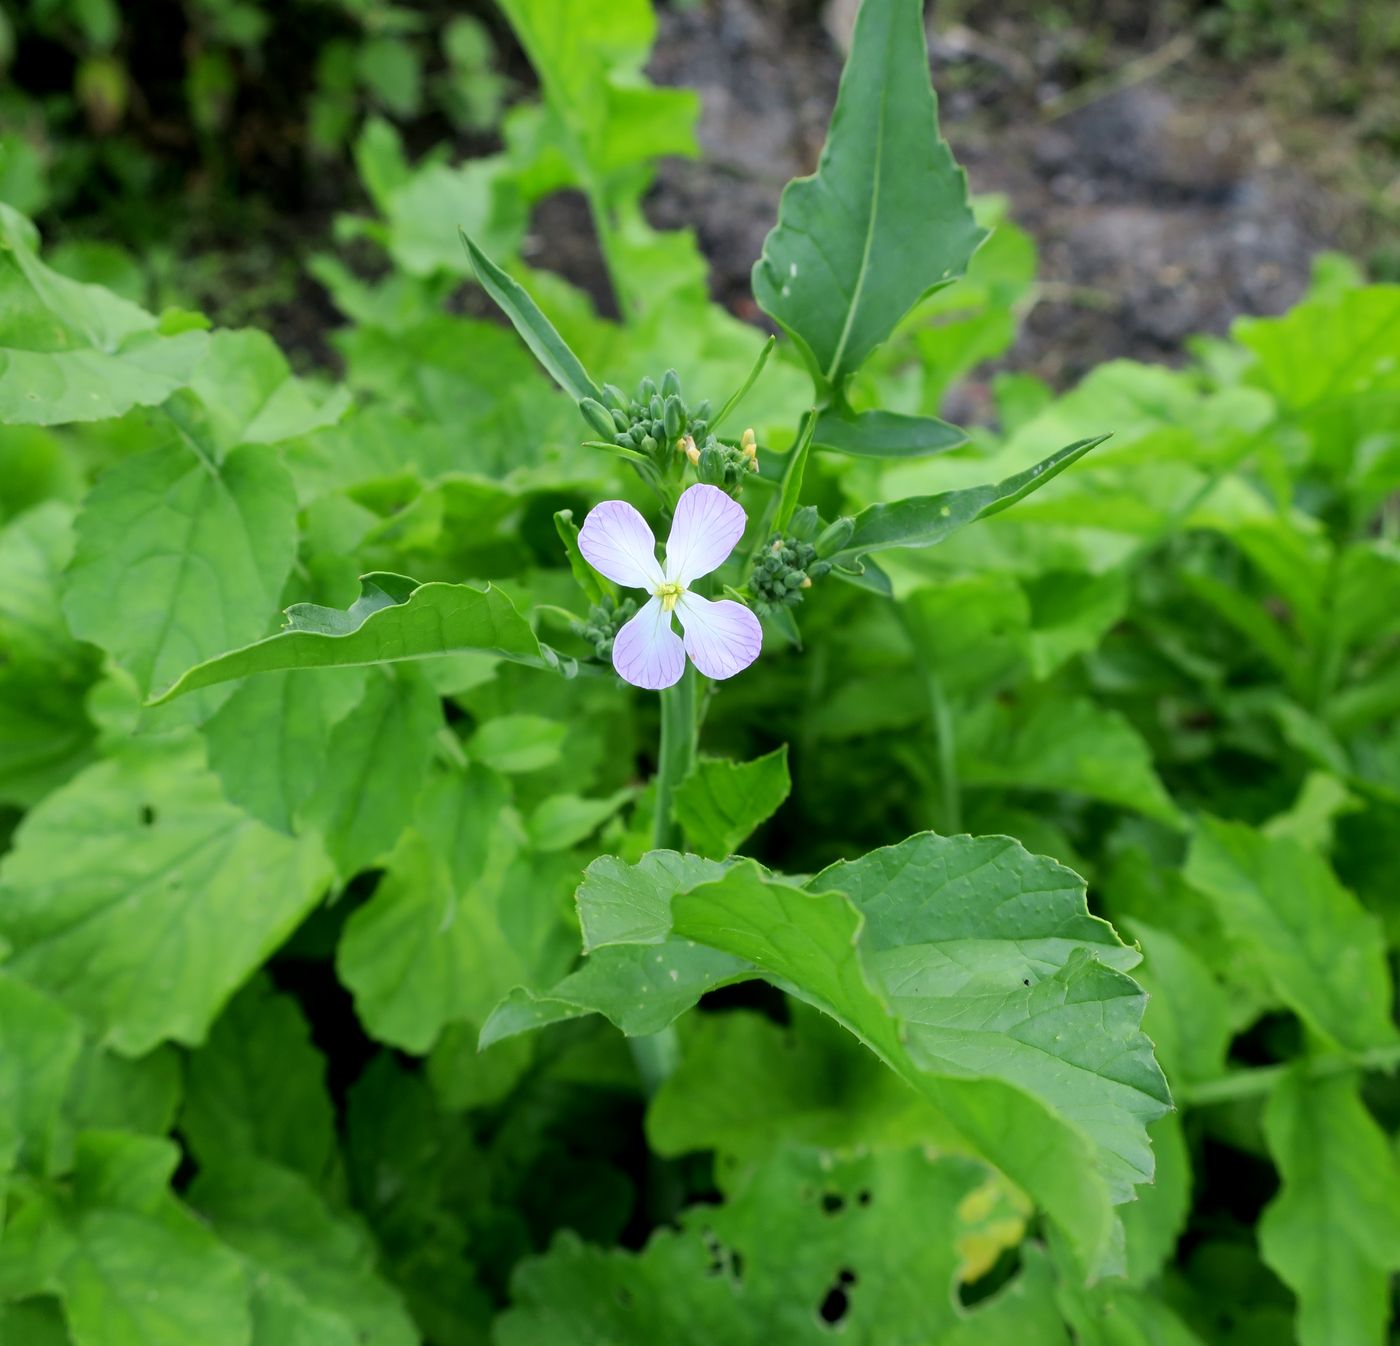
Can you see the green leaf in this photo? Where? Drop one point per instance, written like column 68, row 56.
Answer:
column 562, row 821
column 721, row 802
column 177, row 559
column 249, row 395
column 1333, row 1232
column 126, row 896
column 1188, row 1013
column 39, row 1045
column 75, row 352
column 886, row 1232
column 885, row 434
column 270, row 741
column 538, row 333
column 456, row 921
column 1156, row 1220
column 311, row 1272
column 380, row 751
column 746, row 1086
column 402, row 621
column 922, row 521
column 132, row 1266
column 973, row 969
column 515, row 744
column 1323, row 954
column 1067, row 744
column 257, row 1089
column 885, row 219
column 480, row 199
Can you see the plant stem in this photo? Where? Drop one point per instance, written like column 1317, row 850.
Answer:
column 1261, row 1080
column 656, row 1055
column 678, row 736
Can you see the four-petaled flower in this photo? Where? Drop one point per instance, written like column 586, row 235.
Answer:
column 722, row 637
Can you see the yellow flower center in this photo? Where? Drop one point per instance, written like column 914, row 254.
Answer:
column 669, row 594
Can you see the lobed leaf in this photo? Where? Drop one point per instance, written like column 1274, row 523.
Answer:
column 393, row 620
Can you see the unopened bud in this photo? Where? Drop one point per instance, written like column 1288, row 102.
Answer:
column 598, row 416
column 671, row 384
column 656, row 406
column 614, row 398
column 748, row 443
column 646, row 390
column 674, row 417
column 620, row 421
column 835, row 536
column 691, row 451
column 702, row 412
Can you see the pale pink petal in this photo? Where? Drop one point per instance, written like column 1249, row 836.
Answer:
column 647, row 652
column 707, row 527
column 616, row 542
column 722, row 638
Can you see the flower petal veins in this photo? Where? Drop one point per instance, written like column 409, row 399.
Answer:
column 647, row 652
column 707, row 527
column 722, row 637
column 616, row 542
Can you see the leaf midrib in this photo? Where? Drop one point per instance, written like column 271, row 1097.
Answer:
column 864, row 272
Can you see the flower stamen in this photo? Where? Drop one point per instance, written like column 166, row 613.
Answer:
column 670, row 594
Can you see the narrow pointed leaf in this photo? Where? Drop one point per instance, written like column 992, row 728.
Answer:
column 538, row 333
column 923, row 520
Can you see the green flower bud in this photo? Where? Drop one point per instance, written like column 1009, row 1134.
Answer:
column 673, row 420
column 614, row 398
column 648, row 445
column 805, row 523
column 621, row 420
column 656, row 406
column 671, row 384
column 835, row 536
column 702, row 412
column 598, row 416
column 646, row 390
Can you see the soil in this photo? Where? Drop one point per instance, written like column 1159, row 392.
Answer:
column 1159, row 194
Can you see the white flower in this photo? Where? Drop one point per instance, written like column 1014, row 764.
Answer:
column 721, row 637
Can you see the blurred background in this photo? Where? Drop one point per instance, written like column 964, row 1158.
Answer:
column 1175, row 164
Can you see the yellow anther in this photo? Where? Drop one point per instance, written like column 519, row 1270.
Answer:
column 670, row 594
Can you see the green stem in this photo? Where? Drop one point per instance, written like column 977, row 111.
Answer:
column 1262, row 1080
column 679, row 726
column 656, row 1055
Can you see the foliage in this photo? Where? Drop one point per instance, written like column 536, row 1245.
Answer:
column 1006, row 955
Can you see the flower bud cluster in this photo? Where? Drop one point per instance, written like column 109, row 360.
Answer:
column 603, row 622
column 654, row 422
column 784, row 572
column 723, row 465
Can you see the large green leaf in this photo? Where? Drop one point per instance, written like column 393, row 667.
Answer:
column 1323, row 953
column 1333, row 1231
column 132, row 1266
column 1069, row 743
column 257, row 1089
column 381, row 751
column 923, row 520
column 311, row 1272
column 973, row 969
column 393, row 620
column 884, row 220
column 39, row 1045
column 76, row 352
column 177, row 558
column 458, row 918
column 874, row 1243
column 127, row 896
column 270, row 741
